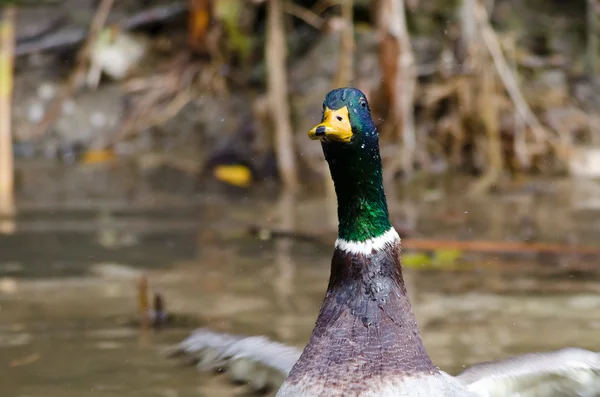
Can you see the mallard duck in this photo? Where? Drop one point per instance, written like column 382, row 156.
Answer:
column 366, row 341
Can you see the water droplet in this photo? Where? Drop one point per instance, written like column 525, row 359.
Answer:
column 362, row 146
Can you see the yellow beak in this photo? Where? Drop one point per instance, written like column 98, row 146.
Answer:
column 334, row 127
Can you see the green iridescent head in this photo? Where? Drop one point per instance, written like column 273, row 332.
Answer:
column 351, row 146
column 346, row 118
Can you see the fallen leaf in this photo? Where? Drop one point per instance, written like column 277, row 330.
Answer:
column 29, row 359
column 238, row 175
column 199, row 22
column 98, row 156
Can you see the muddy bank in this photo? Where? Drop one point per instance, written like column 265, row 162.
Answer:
column 223, row 120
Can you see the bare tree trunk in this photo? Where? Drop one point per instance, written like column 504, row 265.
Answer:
column 399, row 74
column 592, row 60
column 468, row 59
column 278, row 94
column 520, row 141
column 480, row 95
column 77, row 78
column 199, row 18
column 490, row 40
column 468, row 32
column 345, row 73
column 7, row 49
column 592, row 37
column 487, row 108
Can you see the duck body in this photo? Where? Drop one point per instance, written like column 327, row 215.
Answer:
column 366, row 341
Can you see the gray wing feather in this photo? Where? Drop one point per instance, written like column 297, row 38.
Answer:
column 263, row 363
column 565, row 372
column 253, row 359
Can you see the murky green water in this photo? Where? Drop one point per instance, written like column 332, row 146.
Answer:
column 68, row 271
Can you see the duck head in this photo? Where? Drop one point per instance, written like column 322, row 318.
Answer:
column 351, row 146
column 346, row 119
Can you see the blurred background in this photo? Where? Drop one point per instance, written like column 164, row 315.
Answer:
column 154, row 159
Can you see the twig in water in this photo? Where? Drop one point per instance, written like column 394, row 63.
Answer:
column 78, row 75
column 142, row 301
column 433, row 244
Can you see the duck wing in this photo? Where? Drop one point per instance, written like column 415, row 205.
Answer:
column 256, row 360
column 565, row 372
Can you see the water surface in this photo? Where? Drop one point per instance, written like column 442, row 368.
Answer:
column 68, row 271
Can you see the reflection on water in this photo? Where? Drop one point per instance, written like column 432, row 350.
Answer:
column 284, row 266
column 67, row 283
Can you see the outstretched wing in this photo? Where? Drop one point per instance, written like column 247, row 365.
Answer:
column 256, row 360
column 566, row 372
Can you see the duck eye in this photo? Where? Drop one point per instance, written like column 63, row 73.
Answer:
column 339, row 118
column 363, row 103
